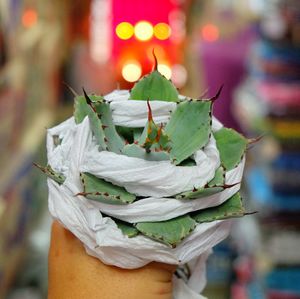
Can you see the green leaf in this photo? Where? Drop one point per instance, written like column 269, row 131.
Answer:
column 154, row 136
column 48, row 171
column 231, row 146
column 200, row 192
column 189, row 129
column 82, row 108
column 231, row 208
column 154, row 87
column 219, row 178
column 136, row 151
column 99, row 190
column 113, row 140
column 170, row 232
column 127, row 228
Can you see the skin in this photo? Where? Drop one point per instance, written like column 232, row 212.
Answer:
column 75, row 275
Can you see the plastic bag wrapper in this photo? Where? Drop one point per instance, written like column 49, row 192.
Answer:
column 157, row 180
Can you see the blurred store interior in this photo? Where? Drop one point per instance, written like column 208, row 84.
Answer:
column 250, row 46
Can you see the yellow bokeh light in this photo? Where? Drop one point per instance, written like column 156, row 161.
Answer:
column 165, row 70
column 162, row 31
column 143, row 31
column 132, row 71
column 124, row 30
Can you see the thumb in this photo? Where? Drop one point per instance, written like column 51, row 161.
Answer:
column 74, row 274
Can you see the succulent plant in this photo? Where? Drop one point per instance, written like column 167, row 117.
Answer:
column 189, row 129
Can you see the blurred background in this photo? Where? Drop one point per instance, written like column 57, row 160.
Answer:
column 250, row 46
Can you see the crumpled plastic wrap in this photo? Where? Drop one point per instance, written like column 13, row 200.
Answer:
column 157, row 180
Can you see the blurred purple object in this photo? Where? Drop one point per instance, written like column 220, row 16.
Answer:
column 224, row 62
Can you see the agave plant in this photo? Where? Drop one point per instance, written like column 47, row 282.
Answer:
column 188, row 130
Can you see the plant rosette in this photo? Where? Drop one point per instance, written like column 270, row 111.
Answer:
column 146, row 175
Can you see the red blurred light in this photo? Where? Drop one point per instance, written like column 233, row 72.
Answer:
column 29, row 18
column 210, row 33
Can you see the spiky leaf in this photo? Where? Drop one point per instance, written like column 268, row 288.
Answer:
column 154, row 136
column 231, row 208
column 127, row 228
column 219, row 178
column 84, row 107
column 170, row 232
column 231, row 146
column 81, row 107
column 97, row 129
column 200, row 192
column 48, row 171
column 113, row 140
column 154, row 87
column 99, row 190
column 188, row 129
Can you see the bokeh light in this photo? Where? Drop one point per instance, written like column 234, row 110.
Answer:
column 124, row 30
column 143, row 30
column 29, row 18
column 132, row 71
column 210, row 32
column 165, row 70
column 162, row 31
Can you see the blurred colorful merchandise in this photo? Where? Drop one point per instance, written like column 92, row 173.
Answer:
column 223, row 43
column 274, row 180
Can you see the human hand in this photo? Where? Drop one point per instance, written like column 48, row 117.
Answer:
column 73, row 274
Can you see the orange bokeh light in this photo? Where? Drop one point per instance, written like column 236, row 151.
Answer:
column 210, row 32
column 29, row 18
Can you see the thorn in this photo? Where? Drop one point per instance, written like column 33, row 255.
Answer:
column 39, row 167
column 255, row 140
column 155, row 60
column 88, row 100
column 229, row 186
column 150, row 118
column 70, row 89
column 213, row 99
column 195, row 189
column 104, row 127
column 250, row 213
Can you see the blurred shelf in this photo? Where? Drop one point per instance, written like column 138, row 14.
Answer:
column 17, row 199
column 32, row 138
